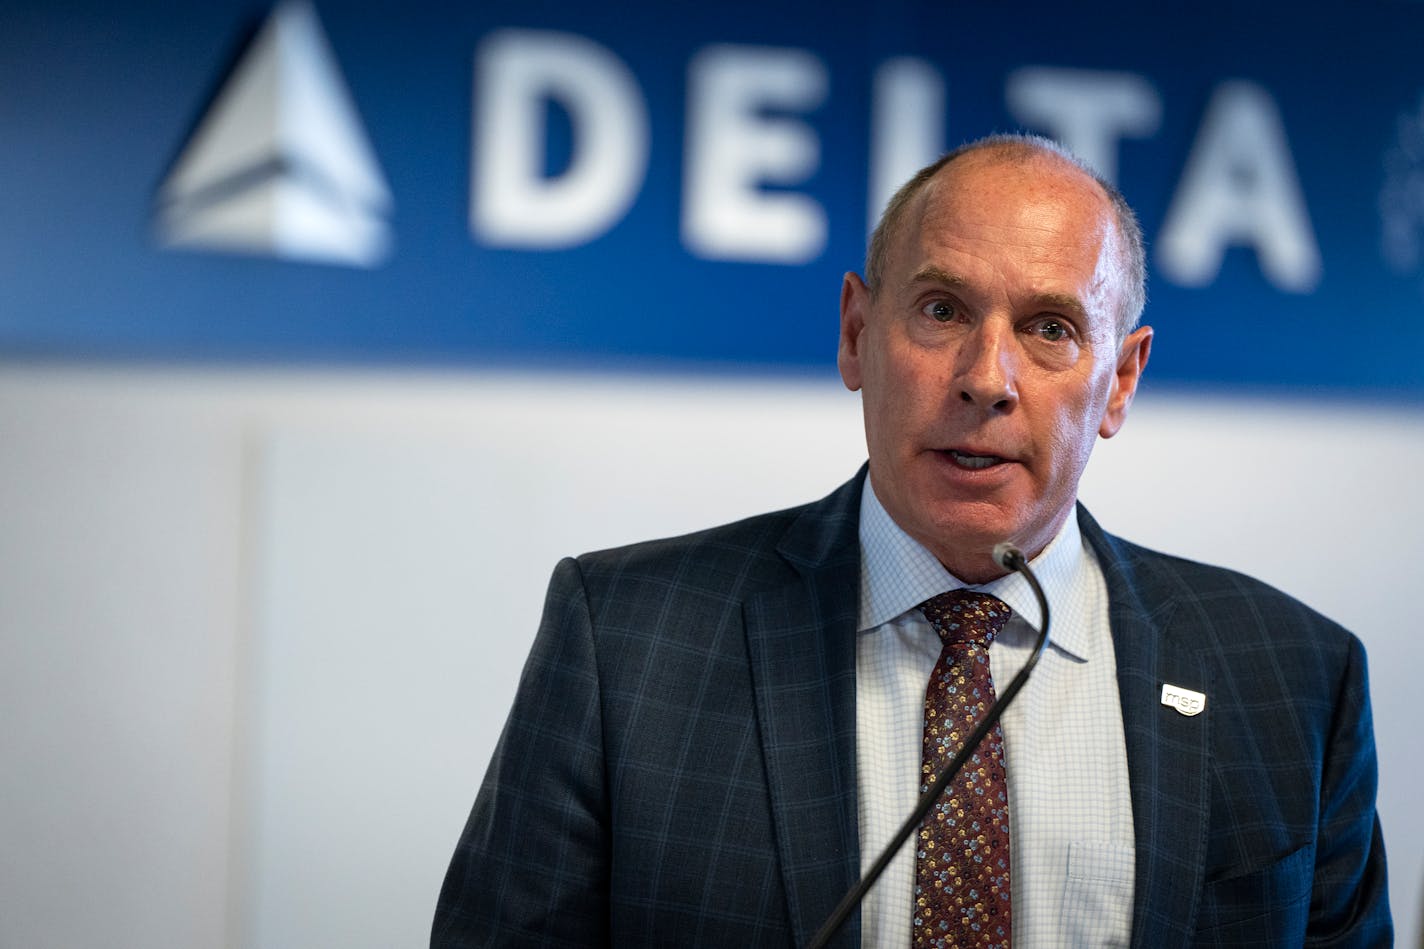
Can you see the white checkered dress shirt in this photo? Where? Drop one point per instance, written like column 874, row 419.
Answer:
column 1070, row 810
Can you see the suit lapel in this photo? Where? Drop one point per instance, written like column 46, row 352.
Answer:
column 1167, row 752
column 801, row 640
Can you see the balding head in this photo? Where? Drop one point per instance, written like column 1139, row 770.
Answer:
column 1127, row 242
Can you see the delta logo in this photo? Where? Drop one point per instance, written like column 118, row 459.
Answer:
column 280, row 165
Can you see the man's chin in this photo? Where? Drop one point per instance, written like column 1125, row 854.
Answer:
column 968, row 532
column 977, row 524
column 963, row 539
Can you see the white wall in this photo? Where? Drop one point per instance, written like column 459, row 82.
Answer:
column 258, row 631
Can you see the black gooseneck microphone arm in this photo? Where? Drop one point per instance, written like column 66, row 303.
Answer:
column 1009, row 556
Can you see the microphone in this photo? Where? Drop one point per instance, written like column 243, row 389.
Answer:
column 1009, row 557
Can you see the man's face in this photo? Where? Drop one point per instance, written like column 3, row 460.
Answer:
column 988, row 357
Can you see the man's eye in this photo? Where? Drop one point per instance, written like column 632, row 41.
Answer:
column 1053, row 330
column 941, row 310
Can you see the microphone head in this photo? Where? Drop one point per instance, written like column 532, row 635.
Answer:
column 1007, row 555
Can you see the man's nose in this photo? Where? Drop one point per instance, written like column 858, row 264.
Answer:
column 985, row 367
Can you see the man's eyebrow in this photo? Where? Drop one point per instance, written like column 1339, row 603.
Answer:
column 1048, row 301
column 936, row 275
column 1060, row 301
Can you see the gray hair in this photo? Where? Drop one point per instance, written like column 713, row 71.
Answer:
column 1018, row 147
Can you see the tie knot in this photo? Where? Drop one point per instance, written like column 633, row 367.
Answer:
column 964, row 616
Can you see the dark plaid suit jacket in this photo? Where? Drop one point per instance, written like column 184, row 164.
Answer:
column 679, row 765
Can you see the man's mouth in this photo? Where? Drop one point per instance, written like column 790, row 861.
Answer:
column 974, row 462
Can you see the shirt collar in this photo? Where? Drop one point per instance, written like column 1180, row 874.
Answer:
column 897, row 574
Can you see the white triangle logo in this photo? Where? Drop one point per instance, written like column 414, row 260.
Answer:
column 280, row 165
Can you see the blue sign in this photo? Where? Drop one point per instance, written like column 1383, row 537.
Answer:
column 647, row 185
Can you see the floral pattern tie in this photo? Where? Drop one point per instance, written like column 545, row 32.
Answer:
column 962, row 860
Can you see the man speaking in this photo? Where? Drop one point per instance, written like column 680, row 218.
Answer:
column 716, row 734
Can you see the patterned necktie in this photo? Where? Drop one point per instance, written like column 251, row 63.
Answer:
column 962, row 864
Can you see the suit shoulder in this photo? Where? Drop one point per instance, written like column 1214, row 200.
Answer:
column 1223, row 592
column 725, row 557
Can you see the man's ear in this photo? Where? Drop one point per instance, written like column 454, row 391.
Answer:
column 855, row 305
column 1131, row 360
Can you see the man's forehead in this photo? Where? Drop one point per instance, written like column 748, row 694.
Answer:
column 1009, row 190
column 1015, row 179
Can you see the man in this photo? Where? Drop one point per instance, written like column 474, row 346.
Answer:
column 716, row 734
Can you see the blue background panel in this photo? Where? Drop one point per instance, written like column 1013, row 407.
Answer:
column 97, row 101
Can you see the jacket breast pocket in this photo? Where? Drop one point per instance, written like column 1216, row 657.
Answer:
column 1267, row 906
